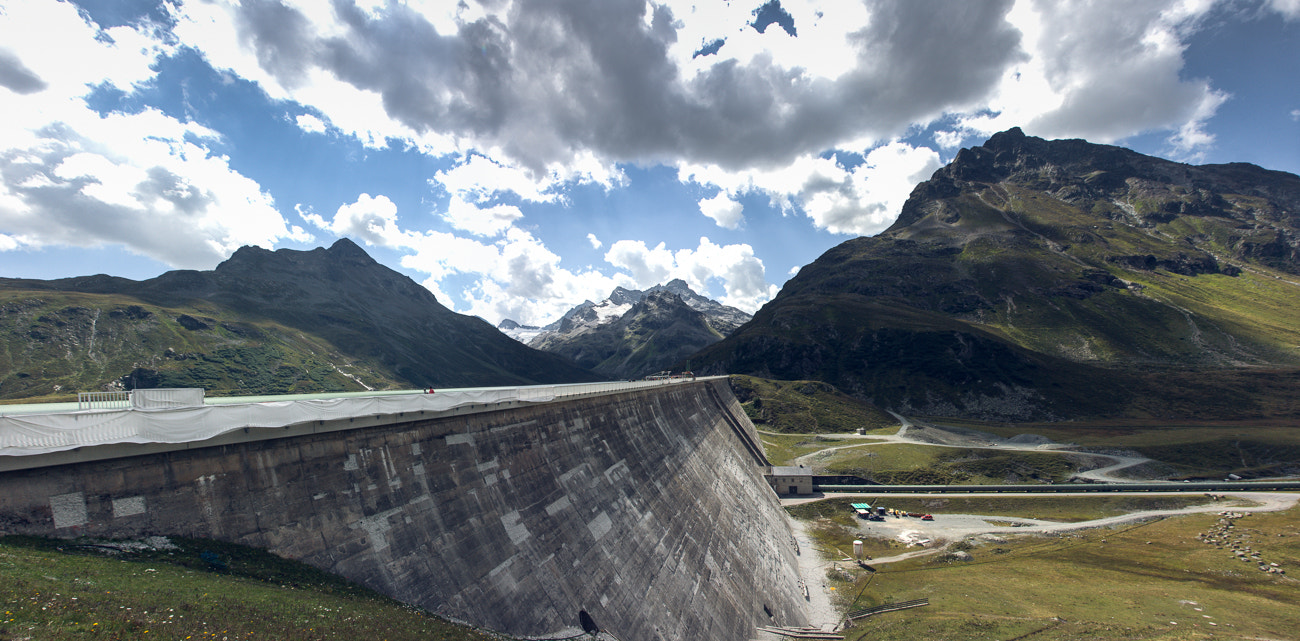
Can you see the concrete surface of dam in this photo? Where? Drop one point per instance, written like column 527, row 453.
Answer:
column 645, row 509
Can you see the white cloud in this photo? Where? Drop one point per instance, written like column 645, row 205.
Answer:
column 276, row 44
column 825, row 47
column 875, row 190
column 373, row 219
column 1290, row 9
column 311, row 124
column 144, row 181
column 481, row 221
column 949, row 139
column 518, row 277
column 1103, row 71
column 1295, row 115
column 479, row 178
column 648, row 266
column 440, row 254
column 595, row 242
column 861, row 200
column 735, row 266
column 741, row 273
column 537, row 95
column 724, row 210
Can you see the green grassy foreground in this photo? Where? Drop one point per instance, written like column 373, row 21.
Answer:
column 56, row 590
column 1148, row 580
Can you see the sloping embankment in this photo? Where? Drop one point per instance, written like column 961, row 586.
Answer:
column 641, row 509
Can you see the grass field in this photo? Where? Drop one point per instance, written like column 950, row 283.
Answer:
column 909, row 463
column 1153, row 580
column 1251, row 449
column 782, row 449
column 1148, row 580
column 57, row 590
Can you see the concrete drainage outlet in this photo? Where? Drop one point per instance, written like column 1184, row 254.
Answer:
column 588, row 624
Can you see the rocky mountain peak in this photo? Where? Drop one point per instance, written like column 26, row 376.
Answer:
column 633, row 332
column 258, row 262
column 678, row 285
column 621, row 296
column 344, row 250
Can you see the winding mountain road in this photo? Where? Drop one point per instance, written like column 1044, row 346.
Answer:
column 1104, row 474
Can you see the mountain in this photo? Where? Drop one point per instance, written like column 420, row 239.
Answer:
column 656, row 331
column 1033, row 279
column 634, row 333
column 521, row 333
column 720, row 317
column 335, row 315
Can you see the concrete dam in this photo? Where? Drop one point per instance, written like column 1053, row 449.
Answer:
column 645, row 509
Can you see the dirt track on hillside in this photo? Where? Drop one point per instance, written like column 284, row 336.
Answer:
column 917, row 433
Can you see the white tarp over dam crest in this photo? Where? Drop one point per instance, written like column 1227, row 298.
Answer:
column 40, row 433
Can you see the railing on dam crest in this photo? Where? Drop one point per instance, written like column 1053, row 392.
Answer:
column 31, row 431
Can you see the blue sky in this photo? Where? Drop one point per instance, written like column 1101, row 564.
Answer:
column 519, row 157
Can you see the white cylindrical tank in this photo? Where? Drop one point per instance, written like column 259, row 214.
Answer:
column 857, row 549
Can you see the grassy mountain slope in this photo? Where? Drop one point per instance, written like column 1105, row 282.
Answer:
column 58, row 343
column 1053, row 279
column 805, row 407
column 252, row 321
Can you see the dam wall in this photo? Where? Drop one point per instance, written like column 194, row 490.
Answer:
column 644, row 509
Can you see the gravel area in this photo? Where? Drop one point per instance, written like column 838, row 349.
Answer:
column 812, row 569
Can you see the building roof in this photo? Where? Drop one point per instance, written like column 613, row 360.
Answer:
column 790, row 470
